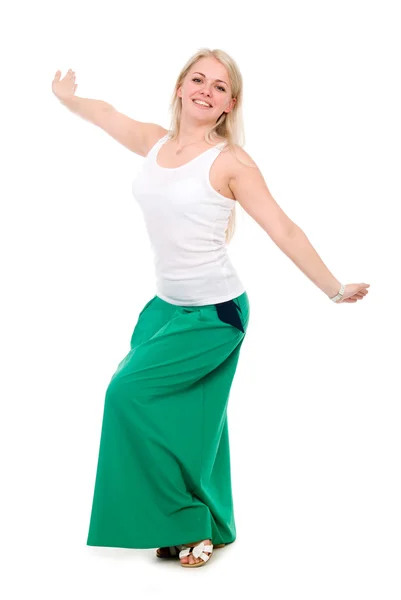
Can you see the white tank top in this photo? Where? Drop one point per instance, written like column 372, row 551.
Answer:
column 186, row 219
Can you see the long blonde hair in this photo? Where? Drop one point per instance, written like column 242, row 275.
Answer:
column 229, row 126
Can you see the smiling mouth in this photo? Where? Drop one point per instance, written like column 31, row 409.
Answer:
column 201, row 105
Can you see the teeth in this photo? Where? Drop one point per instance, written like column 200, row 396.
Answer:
column 201, row 103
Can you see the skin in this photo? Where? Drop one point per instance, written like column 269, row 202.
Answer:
column 196, row 122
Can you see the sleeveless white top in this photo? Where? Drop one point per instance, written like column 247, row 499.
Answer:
column 186, row 219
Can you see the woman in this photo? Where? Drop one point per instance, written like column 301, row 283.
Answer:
column 163, row 473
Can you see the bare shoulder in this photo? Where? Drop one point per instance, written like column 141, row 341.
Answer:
column 237, row 161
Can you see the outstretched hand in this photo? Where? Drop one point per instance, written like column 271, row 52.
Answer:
column 354, row 292
column 64, row 88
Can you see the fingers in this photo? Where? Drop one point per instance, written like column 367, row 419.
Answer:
column 353, row 298
column 70, row 74
column 361, row 293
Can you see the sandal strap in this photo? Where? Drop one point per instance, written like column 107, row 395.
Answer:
column 185, row 552
column 198, row 551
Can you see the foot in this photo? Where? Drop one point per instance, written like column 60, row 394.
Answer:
column 191, row 558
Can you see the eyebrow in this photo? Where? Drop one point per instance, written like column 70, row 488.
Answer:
column 203, row 75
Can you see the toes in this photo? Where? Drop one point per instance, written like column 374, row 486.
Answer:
column 190, row 559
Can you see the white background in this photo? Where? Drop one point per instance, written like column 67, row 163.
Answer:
column 314, row 411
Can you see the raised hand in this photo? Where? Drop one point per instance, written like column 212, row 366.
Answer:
column 64, row 88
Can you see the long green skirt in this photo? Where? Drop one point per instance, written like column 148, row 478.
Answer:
column 163, row 473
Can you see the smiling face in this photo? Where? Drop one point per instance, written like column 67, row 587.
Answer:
column 206, row 80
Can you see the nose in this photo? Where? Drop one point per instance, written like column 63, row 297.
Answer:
column 206, row 94
column 206, row 91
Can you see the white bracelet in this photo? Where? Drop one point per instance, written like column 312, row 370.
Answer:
column 340, row 294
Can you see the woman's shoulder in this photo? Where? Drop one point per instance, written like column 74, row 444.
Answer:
column 236, row 159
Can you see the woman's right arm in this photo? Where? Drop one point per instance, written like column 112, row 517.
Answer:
column 137, row 136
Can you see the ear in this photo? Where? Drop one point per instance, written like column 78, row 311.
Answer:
column 231, row 105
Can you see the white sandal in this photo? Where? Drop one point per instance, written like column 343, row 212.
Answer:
column 198, row 551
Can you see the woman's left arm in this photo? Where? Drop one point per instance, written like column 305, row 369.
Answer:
column 250, row 190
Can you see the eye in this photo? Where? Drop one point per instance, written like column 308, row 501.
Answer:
column 198, row 79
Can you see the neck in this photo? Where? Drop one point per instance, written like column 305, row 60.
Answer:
column 190, row 133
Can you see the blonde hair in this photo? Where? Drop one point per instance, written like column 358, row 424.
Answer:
column 229, row 125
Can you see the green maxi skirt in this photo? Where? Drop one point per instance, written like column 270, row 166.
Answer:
column 163, row 473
